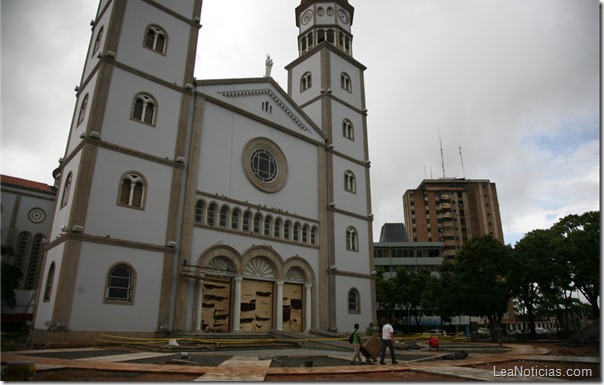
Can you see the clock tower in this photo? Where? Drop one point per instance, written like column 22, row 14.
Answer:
column 328, row 84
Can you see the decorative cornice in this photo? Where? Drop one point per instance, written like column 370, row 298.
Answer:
column 276, row 99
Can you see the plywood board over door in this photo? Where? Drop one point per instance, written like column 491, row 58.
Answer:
column 216, row 306
column 256, row 306
column 292, row 307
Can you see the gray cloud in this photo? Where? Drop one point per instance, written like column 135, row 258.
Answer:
column 513, row 82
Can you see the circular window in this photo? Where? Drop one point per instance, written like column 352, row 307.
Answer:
column 265, row 165
column 37, row 215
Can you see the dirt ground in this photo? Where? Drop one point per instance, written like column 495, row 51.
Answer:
column 70, row 375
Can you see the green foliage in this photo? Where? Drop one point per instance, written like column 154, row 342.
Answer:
column 540, row 273
column 11, row 276
column 477, row 282
column 576, row 241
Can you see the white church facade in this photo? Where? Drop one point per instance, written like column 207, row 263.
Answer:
column 225, row 206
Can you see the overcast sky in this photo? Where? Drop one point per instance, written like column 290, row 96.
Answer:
column 514, row 83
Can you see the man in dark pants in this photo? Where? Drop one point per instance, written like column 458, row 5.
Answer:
column 387, row 332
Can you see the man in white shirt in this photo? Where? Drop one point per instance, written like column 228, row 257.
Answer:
column 387, row 332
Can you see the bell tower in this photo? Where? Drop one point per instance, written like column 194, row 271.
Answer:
column 328, row 84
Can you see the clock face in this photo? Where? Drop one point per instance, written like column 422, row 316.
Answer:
column 343, row 16
column 307, row 16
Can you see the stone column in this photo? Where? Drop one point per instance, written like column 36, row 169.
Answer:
column 308, row 307
column 279, row 318
column 199, row 306
column 236, row 311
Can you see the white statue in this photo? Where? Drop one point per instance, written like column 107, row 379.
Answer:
column 269, row 65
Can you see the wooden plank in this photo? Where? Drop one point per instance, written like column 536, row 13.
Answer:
column 292, row 307
column 256, row 306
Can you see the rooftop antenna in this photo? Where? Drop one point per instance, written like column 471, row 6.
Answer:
column 462, row 168
column 442, row 158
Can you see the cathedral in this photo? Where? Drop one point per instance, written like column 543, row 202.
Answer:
column 221, row 206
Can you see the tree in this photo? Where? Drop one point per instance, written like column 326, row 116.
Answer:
column 11, row 276
column 387, row 293
column 478, row 279
column 531, row 271
column 576, row 240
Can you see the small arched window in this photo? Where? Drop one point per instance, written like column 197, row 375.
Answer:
column 268, row 223
column 352, row 242
column 354, row 301
column 23, row 252
column 66, row 188
column 257, row 223
column 132, row 190
column 350, row 182
column 305, row 234
column 200, row 208
column 97, row 41
column 296, row 232
column 49, row 280
column 277, row 229
column 212, row 210
column 120, row 284
column 83, row 108
column 224, row 216
column 346, row 82
column 156, row 39
column 247, row 219
column 31, row 277
column 235, row 215
column 313, row 235
column 144, row 109
column 287, row 230
column 305, row 82
column 347, row 129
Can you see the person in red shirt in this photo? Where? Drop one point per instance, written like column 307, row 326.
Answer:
column 433, row 342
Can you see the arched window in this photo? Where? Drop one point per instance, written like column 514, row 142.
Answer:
column 350, row 182
column 120, row 284
column 296, row 232
column 156, row 39
column 31, row 276
column 49, row 280
column 257, row 223
column 287, row 230
column 268, row 223
column 313, row 235
column 354, row 301
column 346, row 82
column 224, row 216
column 235, row 215
column 352, row 242
column 305, row 82
column 212, row 209
column 277, row 229
column 83, row 108
column 144, row 109
column 305, row 234
column 132, row 191
column 23, row 252
column 347, row 129
column 97, row 41
column 247, row 219
column 200, row 208
column 66, row 188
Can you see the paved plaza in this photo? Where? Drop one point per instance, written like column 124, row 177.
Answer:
column 251, row 364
